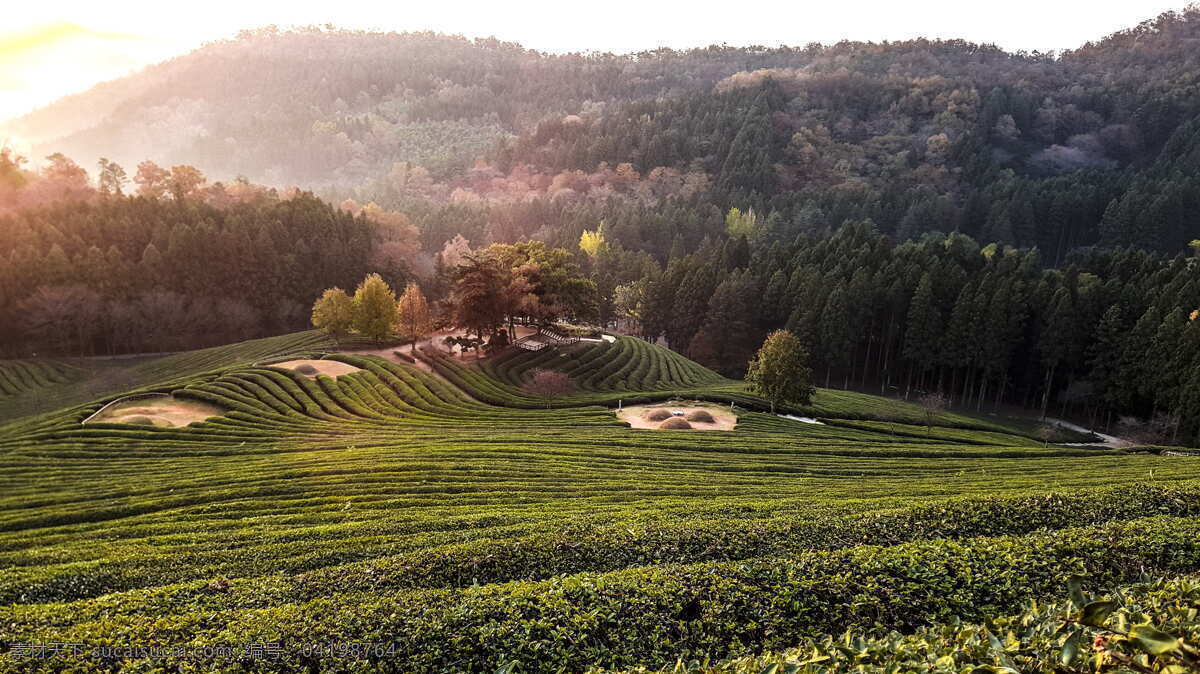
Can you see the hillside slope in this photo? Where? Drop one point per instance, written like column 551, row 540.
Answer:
column 388, row 506
column 933, row 126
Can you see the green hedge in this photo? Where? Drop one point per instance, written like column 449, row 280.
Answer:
column 1044, row 638
column 657, row 615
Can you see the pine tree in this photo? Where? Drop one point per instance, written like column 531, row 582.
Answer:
column 1056, row 339
column 1163, row 359
column 960, row 343
column 836, row 338
column 1104, row 359
column 1136, row 375
column 774, row 302
column 922, row 340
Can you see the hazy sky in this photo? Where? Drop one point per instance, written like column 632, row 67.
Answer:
column 55, row 47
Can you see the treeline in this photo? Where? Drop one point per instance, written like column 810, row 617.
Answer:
column 1110, row 333
column 123, row 274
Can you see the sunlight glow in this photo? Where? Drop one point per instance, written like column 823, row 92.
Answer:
column 58, row 49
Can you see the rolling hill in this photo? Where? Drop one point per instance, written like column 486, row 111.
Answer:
column 432, row 517
column 927, row 134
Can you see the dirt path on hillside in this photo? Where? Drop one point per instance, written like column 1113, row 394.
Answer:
column 434, row 342
column 1109, row 440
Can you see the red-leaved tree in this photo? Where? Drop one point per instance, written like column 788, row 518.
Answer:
column 548, row 385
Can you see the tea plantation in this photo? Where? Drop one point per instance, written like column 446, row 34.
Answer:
column 435, row 517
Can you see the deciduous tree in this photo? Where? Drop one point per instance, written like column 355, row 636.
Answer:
column 412, row 310
column 374, row 308
column 334, row 312
column 780, row 371
column 548, row 385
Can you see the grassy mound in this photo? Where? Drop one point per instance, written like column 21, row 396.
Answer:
column 703, row 416
column 675, row 424
column 19, row 377
column 628, row 364
column 93, row 379
column 657, row 414
column 305, row 369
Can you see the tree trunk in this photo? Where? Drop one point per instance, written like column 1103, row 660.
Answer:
column 867, row 361
column 1046, row 391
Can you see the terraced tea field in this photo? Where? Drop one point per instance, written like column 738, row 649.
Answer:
column 411, row 520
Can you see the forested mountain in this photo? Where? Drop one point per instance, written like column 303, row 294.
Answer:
column 925, row 215
column 1096, row 145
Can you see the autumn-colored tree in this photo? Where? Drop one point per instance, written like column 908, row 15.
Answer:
column 374, row 308
column 548, row 385
column 333, row 312
column 61, row 180
column 152, row 180
column 591, row 242
column 185, row 180
column 455, row 251
column 412, row 311
column 11, row 174
column 779, row 371
column 738, row 223
column 397, row 240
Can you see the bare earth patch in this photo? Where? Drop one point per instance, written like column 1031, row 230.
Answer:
column 651, row 416
column 312, row 368
column 164, row 412
column 433, row 341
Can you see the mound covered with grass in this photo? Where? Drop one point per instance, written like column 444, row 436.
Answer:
column 625, row 364
column 88, row 380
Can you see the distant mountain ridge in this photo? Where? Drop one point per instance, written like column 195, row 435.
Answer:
column 938, row 132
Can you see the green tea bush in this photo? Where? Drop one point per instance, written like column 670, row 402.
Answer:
column 1149, row 627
